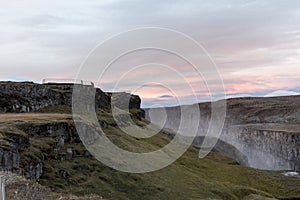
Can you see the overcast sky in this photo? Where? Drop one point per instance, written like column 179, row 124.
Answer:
column 255, row 44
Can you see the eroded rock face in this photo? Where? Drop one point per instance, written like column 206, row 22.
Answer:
column 25, row 153
column 34, row 171
column 30, row 97
column 9, row 160
column 266, row 130
column 12, row 142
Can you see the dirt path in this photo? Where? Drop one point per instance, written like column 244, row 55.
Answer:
column 33, row 117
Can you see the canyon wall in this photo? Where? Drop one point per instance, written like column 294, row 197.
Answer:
column 265, row 130
column 266, row 146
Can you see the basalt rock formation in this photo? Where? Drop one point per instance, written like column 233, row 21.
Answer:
column 28, row 139
column 23, row 97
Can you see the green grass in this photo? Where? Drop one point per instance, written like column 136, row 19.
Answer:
column 39, row 149
column 187, row 178
column 9, row 135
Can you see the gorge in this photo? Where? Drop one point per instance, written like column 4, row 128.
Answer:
column 265, row 130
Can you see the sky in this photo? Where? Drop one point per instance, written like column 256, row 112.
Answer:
column 254, row 44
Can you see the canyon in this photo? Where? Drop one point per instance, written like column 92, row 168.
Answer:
column 265, row 130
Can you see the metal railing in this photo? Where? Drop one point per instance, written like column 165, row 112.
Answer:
column 67, row 81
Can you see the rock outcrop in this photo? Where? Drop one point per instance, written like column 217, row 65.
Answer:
column 12, row 142
column 26, row 144
column 23, row 97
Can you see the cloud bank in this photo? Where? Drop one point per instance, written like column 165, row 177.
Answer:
column 255, row 44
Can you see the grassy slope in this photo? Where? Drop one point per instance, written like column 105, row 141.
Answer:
column 216, row 176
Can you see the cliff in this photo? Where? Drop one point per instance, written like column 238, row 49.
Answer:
column 28, row 139
column 21, row 135
column 16, row 97
column 265, row 130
